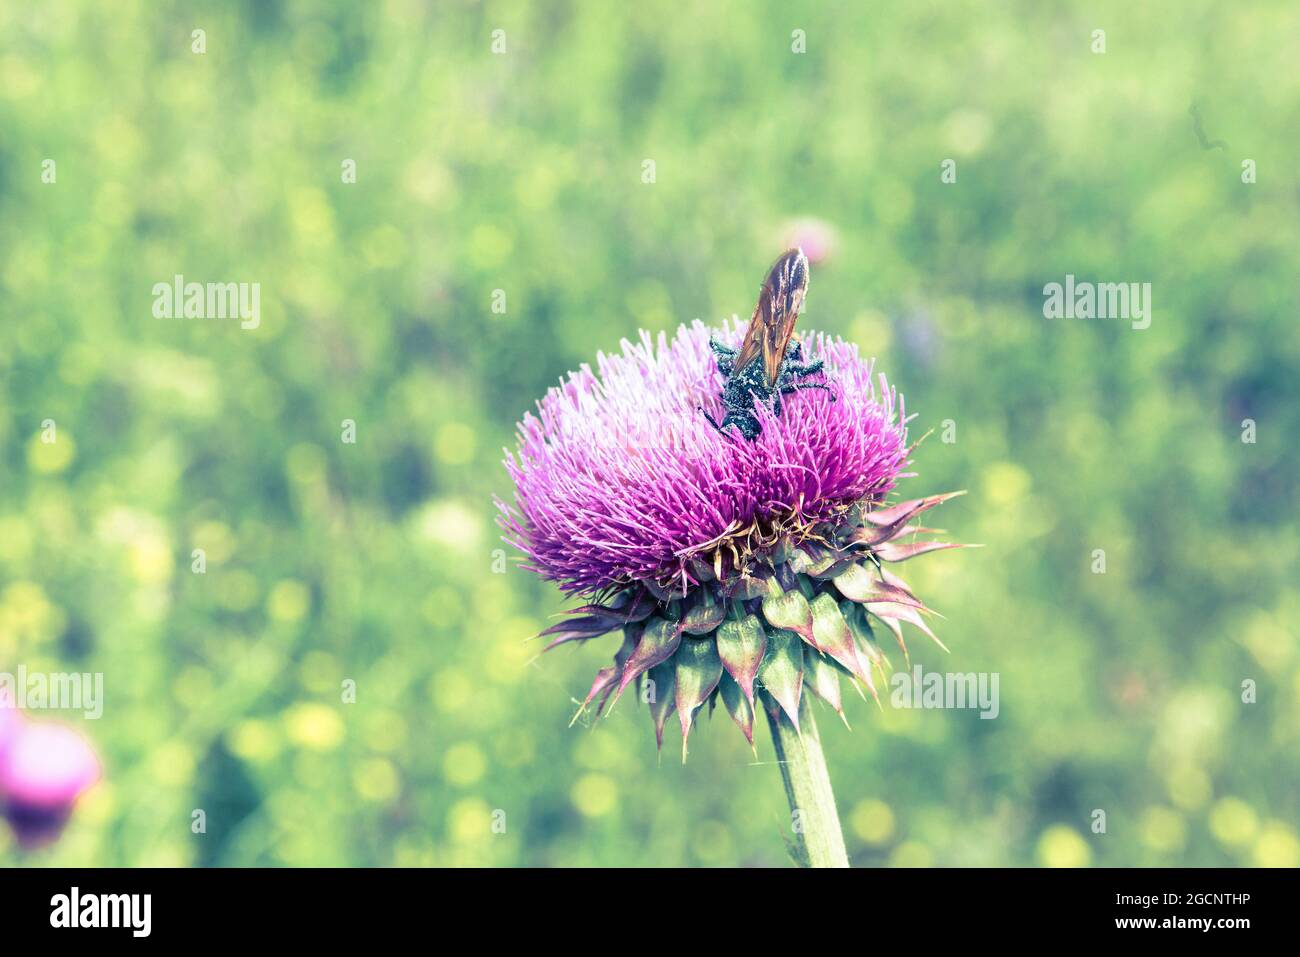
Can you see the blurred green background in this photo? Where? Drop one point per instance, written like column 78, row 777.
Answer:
column 522, row 171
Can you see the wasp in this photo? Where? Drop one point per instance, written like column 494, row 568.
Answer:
column 769, row 363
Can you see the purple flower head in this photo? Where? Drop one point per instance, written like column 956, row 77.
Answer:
column 44, row 769
column 743, row 563
column 620, row 478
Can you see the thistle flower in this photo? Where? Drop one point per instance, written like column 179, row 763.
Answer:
column 738, row 570
column 44, row 769
column 749, row 571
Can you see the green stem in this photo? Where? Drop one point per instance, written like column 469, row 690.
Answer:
column 818, row 839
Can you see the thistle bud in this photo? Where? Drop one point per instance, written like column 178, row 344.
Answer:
column 44, row 769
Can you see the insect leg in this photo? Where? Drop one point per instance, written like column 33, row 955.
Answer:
column 798, row 371
column 711, row 421
column 808, row 385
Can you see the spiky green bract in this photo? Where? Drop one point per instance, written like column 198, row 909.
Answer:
column 795, row 615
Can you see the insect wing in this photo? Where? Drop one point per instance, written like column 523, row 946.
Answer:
column 752, row 345
column 772, row 325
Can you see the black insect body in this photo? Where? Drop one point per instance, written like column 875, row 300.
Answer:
column 741, row 388
column 769, row 363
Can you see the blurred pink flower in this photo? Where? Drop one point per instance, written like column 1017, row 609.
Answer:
column 44, row 769
column 815, row 236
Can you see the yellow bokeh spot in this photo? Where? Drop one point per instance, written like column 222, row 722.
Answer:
column 451, row 524
column 50, row 457
column 377, row 780
column 216, row 540
column 98, row 805
column 442, row 606
column 451, row 690
column 1268, row 640
column 172, row 764
column 454, row 443
column 314, row 726
column 253, row 740
column 288, row 601
column 407, row 854
column 508, row 662
column 872, row 325
column 493, row 599
column 469, row 819
column 165, row 856
column 426, row 181
column 1233, row 822
column 312, row 216
column 27, row 614
column 1277, row 847
column 1005, row 483
column 872, row 821
column 489, row 245
column 18, row 78
column 650, row 304
column 911, row 854
column 1188, row 786
column 1062, row 846
column 463, row 764
column 968, row 131
column 594, row 795
column 1163, row 829
column 150, row 559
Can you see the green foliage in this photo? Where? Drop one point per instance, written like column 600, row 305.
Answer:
column 377, row 561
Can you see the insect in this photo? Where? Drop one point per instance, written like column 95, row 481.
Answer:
column 769, row 363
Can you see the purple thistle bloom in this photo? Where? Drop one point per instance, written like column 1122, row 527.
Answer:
column 620, row 478
column 742, row 563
